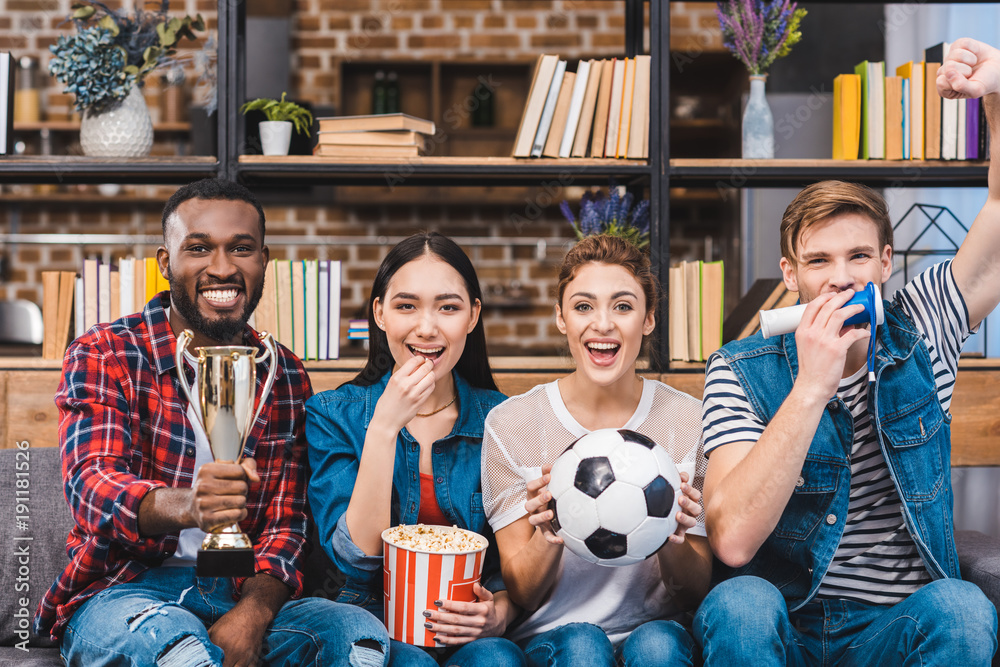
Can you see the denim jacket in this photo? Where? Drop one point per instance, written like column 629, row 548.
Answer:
column 914, row 434
column 336, row 423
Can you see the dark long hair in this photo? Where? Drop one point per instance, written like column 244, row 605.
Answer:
column 474, row 364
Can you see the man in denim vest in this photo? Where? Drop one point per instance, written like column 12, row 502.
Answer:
column 828, row 492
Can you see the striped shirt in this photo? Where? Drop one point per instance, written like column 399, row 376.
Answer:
column 876, row 561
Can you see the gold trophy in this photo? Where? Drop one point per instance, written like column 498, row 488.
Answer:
column 223, row 404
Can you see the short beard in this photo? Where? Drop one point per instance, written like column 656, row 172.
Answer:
column 222, row 329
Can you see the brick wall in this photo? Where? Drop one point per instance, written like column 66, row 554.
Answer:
column 326, row 33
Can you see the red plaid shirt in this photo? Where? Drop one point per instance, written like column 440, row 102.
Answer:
column 123, row 431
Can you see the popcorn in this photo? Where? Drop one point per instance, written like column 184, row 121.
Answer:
column 434, row 539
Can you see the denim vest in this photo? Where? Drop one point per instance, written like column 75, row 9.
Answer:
column 914, row 434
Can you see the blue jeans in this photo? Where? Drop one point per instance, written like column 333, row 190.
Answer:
column 652, row 643
column 483, row 652
column 163, row 615
column 948, row 621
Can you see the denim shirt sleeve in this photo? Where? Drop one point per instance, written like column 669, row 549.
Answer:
column 334, row 453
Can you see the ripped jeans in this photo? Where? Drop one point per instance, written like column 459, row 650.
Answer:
column 162, row 618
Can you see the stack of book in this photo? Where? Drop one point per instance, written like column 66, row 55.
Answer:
column 390, row 135
column 902, row 117
column 696, row 309
column 600, row 110
column 300, row 306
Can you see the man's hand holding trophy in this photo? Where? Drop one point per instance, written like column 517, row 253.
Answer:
column 224, row 399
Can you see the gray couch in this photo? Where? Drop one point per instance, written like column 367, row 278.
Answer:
column 48, row 522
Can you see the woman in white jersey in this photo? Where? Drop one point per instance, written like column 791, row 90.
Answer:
column 576, row 612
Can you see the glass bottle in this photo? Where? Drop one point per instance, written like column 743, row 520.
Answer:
column 378, row 93
column 758, row 123
column 27, row 96
column 392, row 93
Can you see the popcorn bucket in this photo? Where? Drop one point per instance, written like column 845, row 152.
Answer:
column 414, row 578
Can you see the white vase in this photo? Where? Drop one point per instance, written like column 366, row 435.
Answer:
column 123, row 130
column 758, row 123
column 275, row 136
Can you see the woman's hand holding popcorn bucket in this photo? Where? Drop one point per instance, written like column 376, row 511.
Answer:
column 433, row 596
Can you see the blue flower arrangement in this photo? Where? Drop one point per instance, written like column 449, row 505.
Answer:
column 612, row 214
column 113, row 51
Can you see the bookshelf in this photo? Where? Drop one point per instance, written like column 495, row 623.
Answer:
column 475, row 157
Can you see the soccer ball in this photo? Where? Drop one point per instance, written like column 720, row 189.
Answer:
column 614, row 497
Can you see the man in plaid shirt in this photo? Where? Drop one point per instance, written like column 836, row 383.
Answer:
column 143, row 486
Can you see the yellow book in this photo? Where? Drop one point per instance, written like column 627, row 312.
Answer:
column 915, row 73
column 625, row 119
column 846, row 116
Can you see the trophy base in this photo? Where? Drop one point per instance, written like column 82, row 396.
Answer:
column 225, row 563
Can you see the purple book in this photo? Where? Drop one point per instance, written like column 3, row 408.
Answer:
column 972, row 129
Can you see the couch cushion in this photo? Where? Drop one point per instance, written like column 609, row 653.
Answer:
column 33, row 542
column 979, row 560
column 35, row 657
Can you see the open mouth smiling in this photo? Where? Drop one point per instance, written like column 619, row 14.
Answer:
column 221, row 298
column 431, row 353
column 603, row 352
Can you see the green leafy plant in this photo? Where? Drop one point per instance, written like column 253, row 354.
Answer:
column 113, row 50
column 274, row 109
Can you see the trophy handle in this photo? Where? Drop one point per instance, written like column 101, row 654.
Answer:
column 267, row 340
column 182, row 342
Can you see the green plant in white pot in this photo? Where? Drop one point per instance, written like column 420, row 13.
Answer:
column 276, row 131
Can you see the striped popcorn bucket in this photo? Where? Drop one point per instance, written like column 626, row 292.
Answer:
column 414, row 579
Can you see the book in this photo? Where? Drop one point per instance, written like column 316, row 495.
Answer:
column 692, row 299
column 961, row 148
column 638, row 140
column 587, row 109
column 115, row 294
column 712, row 290
column 615, row 110
column 323, row 320
column 894, row 118
column 603, row 108
column 333, row 330
column 972, row 115
column 50, row 312
column 265, row 315
column 311, row 324
column 949, row 108
column 549, row 110
column 906, row 118
column 67, row 289
column 126, row 273
column 541, row 79
column 677, row 314
column 338, row 150
column 383, row 121
column 846, row 116
column 103, row 292
column 139, row 275
column 298, row 299
column 6, row 103
column 364, row 138
column 914, row 71
column 932, row 113
column 283, row 292
column 745, row 317
column 560, row 116
column 90, row 293
column 575, row 107
column 872, row 109
column 78, row 317
column 625, row 118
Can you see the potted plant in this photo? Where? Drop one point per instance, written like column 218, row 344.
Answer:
column 104, row 64
column 276, row 131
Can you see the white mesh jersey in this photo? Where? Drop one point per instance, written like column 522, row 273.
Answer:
column 528, row 431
